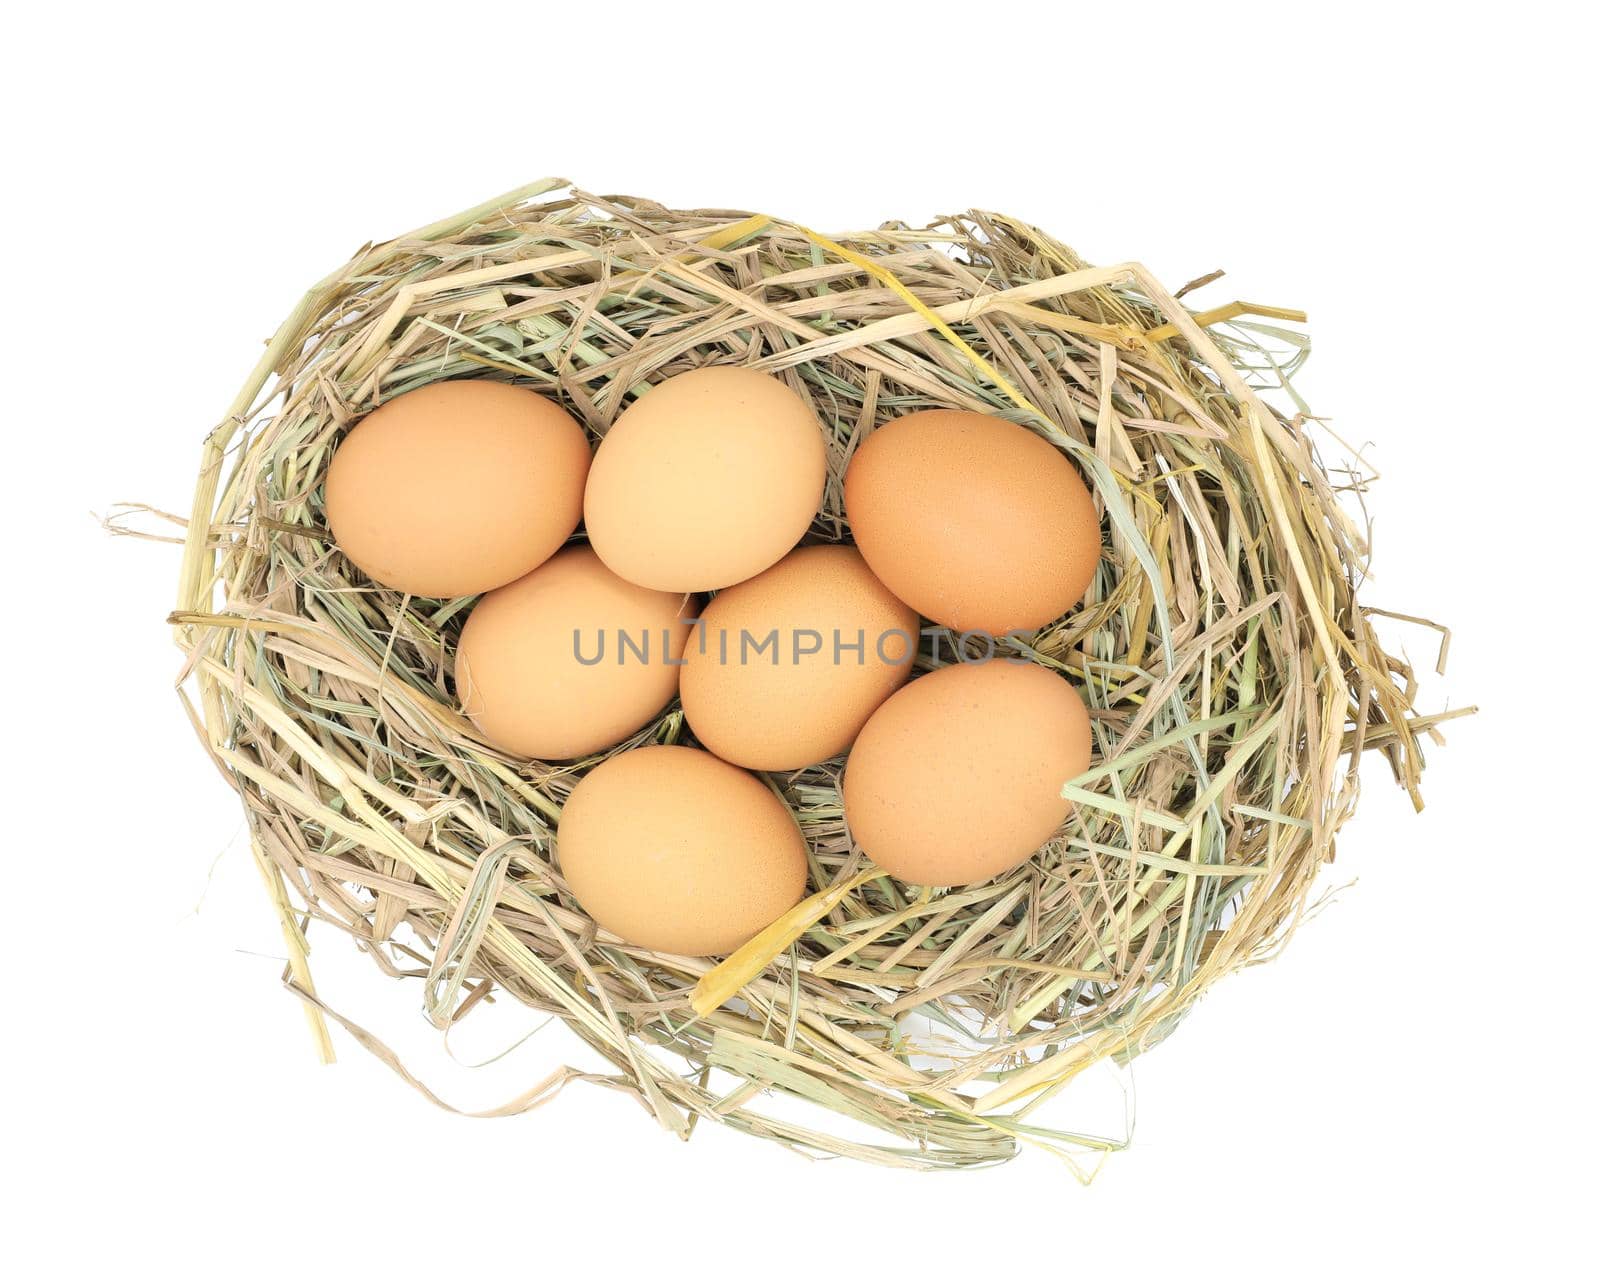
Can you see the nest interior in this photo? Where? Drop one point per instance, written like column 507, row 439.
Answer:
column 1232, row 678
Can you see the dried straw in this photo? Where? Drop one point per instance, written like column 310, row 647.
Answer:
column 1233, row 679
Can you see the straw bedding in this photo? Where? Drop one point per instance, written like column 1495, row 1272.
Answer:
column 1233, row 679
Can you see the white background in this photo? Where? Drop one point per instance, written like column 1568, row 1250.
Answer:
column 1408, row 1088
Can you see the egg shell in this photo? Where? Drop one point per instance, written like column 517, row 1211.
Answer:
column 787, row 706
column 706, row 480
column 957, row 777
column 675, row 850
column 976, row 522
column 457, row 487
column 570, row 659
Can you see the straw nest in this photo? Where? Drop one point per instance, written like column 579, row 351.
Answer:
column 1232, row 677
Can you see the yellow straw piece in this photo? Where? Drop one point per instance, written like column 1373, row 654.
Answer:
column 1227, row 312
column 928, row 314
column 750, row 960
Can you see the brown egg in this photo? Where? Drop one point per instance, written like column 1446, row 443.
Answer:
column 706, row 480
column 674, row 850
column 570, row 659
column 977, row 522
column 957, row 777
column 457, row 487
column 840, row 643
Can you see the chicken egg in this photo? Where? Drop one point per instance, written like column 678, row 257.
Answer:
column 706, row 480
column 786, row 667
column 675, row 850
column 457, row 487
column 976, row 522
column 957, row 777
column 570, row 659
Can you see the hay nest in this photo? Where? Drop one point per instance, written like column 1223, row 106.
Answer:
column 1232, row 677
